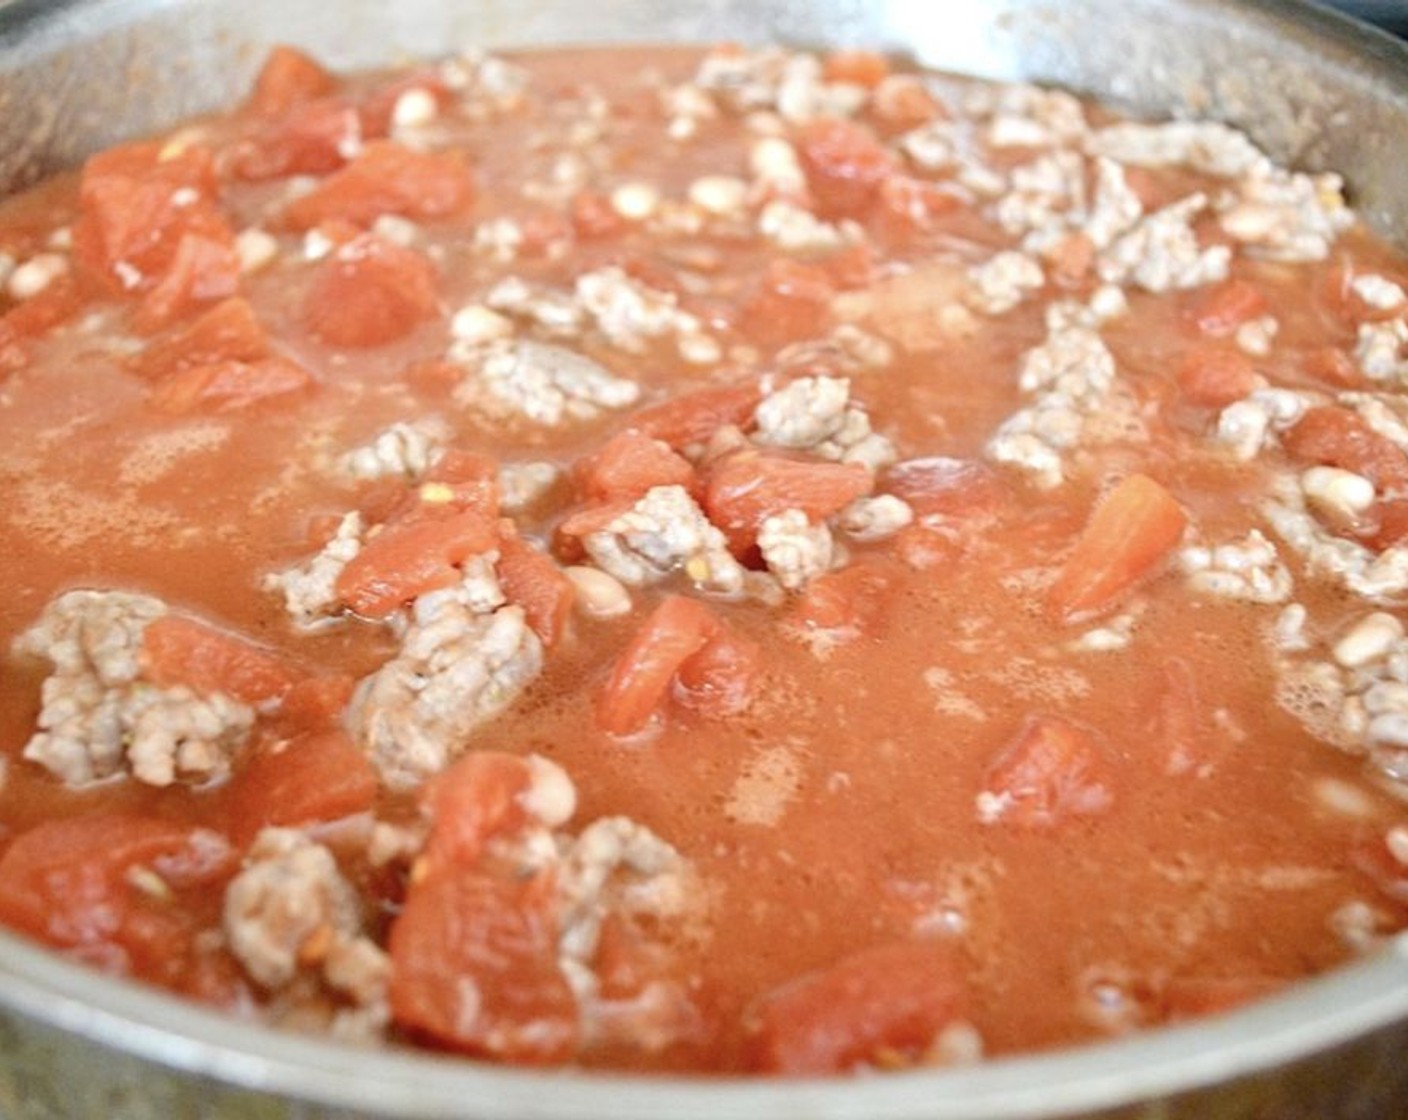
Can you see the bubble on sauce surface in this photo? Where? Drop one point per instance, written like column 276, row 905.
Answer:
column 1313, row 695
column 62, row 517
column 765, row 785
column 158, row 454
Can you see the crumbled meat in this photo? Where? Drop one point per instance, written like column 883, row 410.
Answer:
column 1380, row 351
column 290, row 912
column 793, row 229
column 665, row 531
column 1378, row 292
column 1376, row 577
column 1107, row 302
column 790, row 82
column 521, row 485
column 1000, row 283
column 1070, row 376
column 402, row 451
column 1027, row 115
column 310, row 590
column 1255, row 336
column 794, row 549
column 1286, row 216
column 543, row 383
column 555, row 313
column 874, row 518
column 1044, row 193
column 1206, row 146
column 457, row 669
column 1245, row 427
column 628, row 313
column 1248, row 570
column 617, row 869
column 99, row 716
column 1162, row 253
column 815, row 414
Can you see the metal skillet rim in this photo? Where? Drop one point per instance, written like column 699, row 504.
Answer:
column 176, row 1035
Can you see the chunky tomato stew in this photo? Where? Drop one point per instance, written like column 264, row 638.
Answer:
column 701, row 560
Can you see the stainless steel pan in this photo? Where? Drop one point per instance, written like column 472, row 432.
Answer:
column 1311, row 87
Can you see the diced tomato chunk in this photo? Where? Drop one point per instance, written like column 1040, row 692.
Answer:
column 535, row 583
column 850, row 602
column 472, row 478
column 792, row 301
column 1390, row 521
column 748, row 487
column 229, row 386
column 136, row 203
column 1337, row 437
column 1219, row 310
column 937, row 485
column 1332, row 366
column 719, row 680
column 35, row 317
column 409, row 558
column 202, row 269
column 875, row 1007
column 315, row 704
column 386, row 178
column 692, row 418
column 320, row 776
column 1051, row 771
column 69, row 883
column 312, row 138
column 593, row 217
column 228, row 332
column 181, row 651
column 904, row 101
column 288, row 78
column 629, row 464
column 479, row 797
column 845, row 164
column 1215, row 376
column 369, row 293
column 858, row 68
column 474, row 967
column 913, row 203
column 678, row 628
column 1130, row 533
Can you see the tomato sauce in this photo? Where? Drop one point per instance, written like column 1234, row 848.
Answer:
column 958, row 611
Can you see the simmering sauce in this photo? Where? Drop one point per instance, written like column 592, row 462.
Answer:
column 701, row 560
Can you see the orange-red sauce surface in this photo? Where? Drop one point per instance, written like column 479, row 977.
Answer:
column 1004, row 778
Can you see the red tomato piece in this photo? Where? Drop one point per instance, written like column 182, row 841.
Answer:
column 409, row 558
column 472, row 477
column 314, row 704
column 747, row 487
column 34, row 318
column 369, row 293
column 480, row 796
column 1337, row 437
column 629, row 464
column 940, row 486
column 1215, row 376
column 136, row 202
column 857, row 68
column 594, row 218
column 1050, row 772
column 845, row 164
column 1130, row 533
column 1332, row 366
column 692, row 418
column 678, row 628
column 320, row 776
column 535, row 583
column 288, row 78
column 313, row 138
column 228, row 332
column 1219, row 310
column 229, row 386
column 202, row 269
column 905, row 102
column 68, row 882
column 719, row 680
column 1390, row 519
column 386, row 178
column 182, row 651
column 874, row 1007
column 850, row 602
column 792, row 301
column 916, row 202
column 474, row 967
